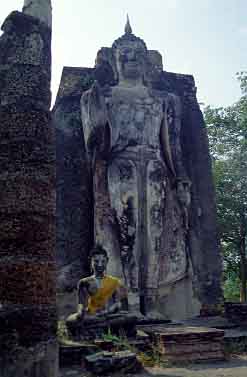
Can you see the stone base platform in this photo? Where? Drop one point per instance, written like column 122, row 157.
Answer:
column 116, row 324
column 187, row 344
column 217, row 322
column 235, row 337
column 178, row 342
column 72, row 353
column 112, row 362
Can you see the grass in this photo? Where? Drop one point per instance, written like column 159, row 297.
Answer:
column 148, row 358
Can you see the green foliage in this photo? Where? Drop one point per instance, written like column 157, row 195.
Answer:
column 227, row 131
column 232, row 288
column 116, row 340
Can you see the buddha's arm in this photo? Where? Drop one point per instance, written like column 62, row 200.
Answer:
column 165, row 144
column 171, row 140
column 95, row 121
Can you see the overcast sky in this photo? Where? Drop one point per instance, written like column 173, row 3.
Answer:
column 206, row 38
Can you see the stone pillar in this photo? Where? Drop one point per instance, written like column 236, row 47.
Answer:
column 40, row 9
column 27, row 198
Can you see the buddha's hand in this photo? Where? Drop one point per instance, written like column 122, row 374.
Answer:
column 97, row 106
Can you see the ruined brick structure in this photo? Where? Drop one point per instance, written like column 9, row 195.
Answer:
column 27, row 203
column 136, row 149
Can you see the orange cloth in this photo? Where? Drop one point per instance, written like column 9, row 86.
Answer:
column 97, row 301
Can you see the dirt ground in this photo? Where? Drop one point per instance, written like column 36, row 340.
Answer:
column 236, row 367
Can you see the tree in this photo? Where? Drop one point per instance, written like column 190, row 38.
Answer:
column 227, row 130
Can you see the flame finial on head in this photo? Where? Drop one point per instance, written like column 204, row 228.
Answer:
column 128, row 29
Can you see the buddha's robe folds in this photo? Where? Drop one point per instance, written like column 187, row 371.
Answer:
column 137, row 182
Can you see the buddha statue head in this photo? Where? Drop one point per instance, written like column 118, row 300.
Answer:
column 128, row 61
column 99, row 260
column 130, row 55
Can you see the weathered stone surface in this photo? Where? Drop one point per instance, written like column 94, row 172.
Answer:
column 217, row 322
column 74, row 354
column 31, row 323
column 40, row 9
column 34, row 361
column 74, row 196
column 28, row 281
column 25, row 62
column 177, row 219
column 110, row 362
column 187, row 343
column 66, row 303
column 27, row 201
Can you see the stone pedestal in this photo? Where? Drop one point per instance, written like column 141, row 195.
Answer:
column 72, row 353
column 185, row 344
column 116, row 324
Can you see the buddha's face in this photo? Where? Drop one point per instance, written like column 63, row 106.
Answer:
column 99, row 264
column 130, row 60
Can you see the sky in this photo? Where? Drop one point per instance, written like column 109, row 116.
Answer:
column 205, row 38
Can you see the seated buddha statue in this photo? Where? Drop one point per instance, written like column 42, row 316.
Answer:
column 102, row 299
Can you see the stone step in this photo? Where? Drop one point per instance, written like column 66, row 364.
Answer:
column 110, row 362
column 196, row 357
column 181, row 343
column 217, row 322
